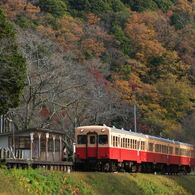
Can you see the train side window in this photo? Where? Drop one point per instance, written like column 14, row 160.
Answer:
column 118, row 141
column 125, row 142
column 128, row 143
column 142, row 145
column 177, row 151
column 133, row 146
column 81, row 139
column 136, row 145
column 184, row 152
column 170, row 150
column 167, row 150
column 113, row 140
column 103, row 139
column 163, row 149
column 157, row 148
column 151, row 147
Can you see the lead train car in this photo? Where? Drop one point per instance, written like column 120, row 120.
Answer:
column 110, row 149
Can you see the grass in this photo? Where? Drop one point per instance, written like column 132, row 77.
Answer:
column 9, row 185
column 31, row 181
column 148, row 184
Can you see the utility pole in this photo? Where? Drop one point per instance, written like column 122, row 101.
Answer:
column 134, row 87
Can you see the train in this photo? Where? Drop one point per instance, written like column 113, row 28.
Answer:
column 108, row 149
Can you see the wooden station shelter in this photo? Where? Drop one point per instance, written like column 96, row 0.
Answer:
column 35, row 146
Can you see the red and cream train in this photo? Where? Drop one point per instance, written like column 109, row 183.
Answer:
column 110, row 149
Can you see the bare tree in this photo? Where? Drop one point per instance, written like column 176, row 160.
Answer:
column 48, row 80
column 60, row 93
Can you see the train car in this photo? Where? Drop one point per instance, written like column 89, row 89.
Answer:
column 110, row 149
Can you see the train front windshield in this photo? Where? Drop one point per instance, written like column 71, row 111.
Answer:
column 102, row 139
column 81, row 139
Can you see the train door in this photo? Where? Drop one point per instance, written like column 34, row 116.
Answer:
column 92, row 145
column 120, row 150
column 138, row 151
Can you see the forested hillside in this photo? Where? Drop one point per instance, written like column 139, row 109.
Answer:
column 90, row 61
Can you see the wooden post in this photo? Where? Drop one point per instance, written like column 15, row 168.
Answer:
column 39, row 136
column 54, row 147
column 46, row 145
column 1, row 124
column 60, row 148
column 31, row 144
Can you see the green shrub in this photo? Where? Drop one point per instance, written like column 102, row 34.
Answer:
column 164, row 5
column 6, row 29
column 57, row 8
column 141, row 5
column 98, row 7
column 180, row 19
column 125, row 43
column 24, row 22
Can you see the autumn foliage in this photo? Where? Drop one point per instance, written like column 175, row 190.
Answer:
column 141, row 50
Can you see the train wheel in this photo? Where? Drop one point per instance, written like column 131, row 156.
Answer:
column 134, row 169
column 113, row 167
column 106, row 167
column 98, row 166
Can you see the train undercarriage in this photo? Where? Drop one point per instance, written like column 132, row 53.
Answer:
column 107, row 165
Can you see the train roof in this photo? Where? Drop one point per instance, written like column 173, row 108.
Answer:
column 140, row 135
